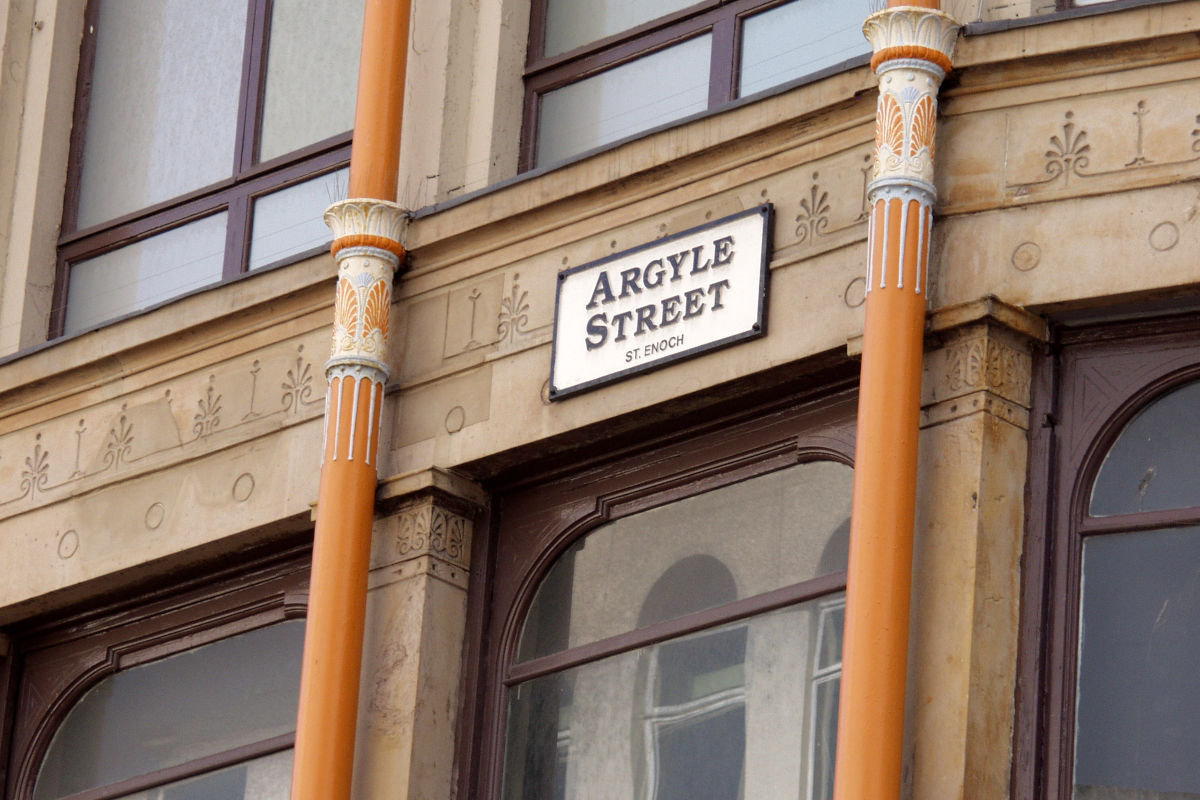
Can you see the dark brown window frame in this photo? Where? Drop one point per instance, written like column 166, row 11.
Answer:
column 722, row 18
column 1074, row 428
column 248, row 180
column 539, row 518
column 56, row 663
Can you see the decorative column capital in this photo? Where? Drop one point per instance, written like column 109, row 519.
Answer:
column 912, row 55
column 359, row 222
column 911, row 33
column 367, row 244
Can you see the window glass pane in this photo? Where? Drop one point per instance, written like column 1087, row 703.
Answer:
column 312, row 73
column 214, row 698
column 163, row 112
column 653, row 90
column 798, row 39
column 1153, row 465
column 700, row 716
column 266, row 778
column 144, row 273
column 736, row 541
column 1138, row 699
column 571, row 23
column 826, row 688
column 292, row 220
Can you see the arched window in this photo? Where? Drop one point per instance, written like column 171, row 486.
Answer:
column 1117, row 635
column 214, row 722
column 183, row 694
column 678, row 634
column 1137, row 695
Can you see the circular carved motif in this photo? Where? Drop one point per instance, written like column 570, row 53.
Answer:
column 68, row 544
column 243, row 486
column 546, row 393
column 1164, row 236
column 856, row 292
column 456, row 419
column 155, row 515
column 1026, row 256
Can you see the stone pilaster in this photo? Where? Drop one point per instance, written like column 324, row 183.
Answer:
column 416, row 626
column 970, row 523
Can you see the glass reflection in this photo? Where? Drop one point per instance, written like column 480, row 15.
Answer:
column 1138, row 698
column 1153, row 465
column 634, row 97
column 700, row 716
column 217, row 697
column 798, row 39
column 767, row 532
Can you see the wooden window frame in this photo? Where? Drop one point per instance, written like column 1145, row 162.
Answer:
column 541, row 516
column 52, row 665
column 722, row 18
column 1076, row 420
column 248, row 180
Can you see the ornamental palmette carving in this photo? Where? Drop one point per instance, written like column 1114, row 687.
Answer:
column 370, row 231
column 912, row 54
column 428, row 529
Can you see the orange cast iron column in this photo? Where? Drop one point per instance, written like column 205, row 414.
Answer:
column 913, row 44
column 368, row 230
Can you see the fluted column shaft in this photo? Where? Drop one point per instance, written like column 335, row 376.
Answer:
column 912, row 55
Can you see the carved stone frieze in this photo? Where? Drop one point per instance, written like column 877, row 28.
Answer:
column 147, row 430
column 1146, row 136
column 428, row 525
column 984, row 361
column 986, row 364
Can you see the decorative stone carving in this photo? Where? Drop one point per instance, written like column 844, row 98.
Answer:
column 429, row 528
column 987, row 364
column 366, row 218
column 367, row 236
column 912, row 55
column 909, row 32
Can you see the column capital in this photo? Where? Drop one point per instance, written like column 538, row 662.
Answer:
column 368, row 245
column 365, row 222
column 911, row 33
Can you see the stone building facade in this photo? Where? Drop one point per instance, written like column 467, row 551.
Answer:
column 160, row 455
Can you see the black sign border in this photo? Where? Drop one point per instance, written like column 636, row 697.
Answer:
column 757, row 330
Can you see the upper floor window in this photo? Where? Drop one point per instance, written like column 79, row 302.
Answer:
column 208, row 140
column 601, row 71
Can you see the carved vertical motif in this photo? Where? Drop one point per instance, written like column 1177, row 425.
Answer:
column 207, row 417
column 514, row 313
column 36, row 473
column 118, row 444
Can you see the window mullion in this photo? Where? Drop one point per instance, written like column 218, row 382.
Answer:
column 722, row 71
column 237, row 235
column 254, row 59
column 189, row 769
column 679, row 626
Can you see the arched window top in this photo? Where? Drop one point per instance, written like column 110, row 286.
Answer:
column 1153, row 465
column 768, row 532
column 224, row 697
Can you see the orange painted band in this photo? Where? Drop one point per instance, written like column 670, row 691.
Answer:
column 368, row 240
column 911, row 51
